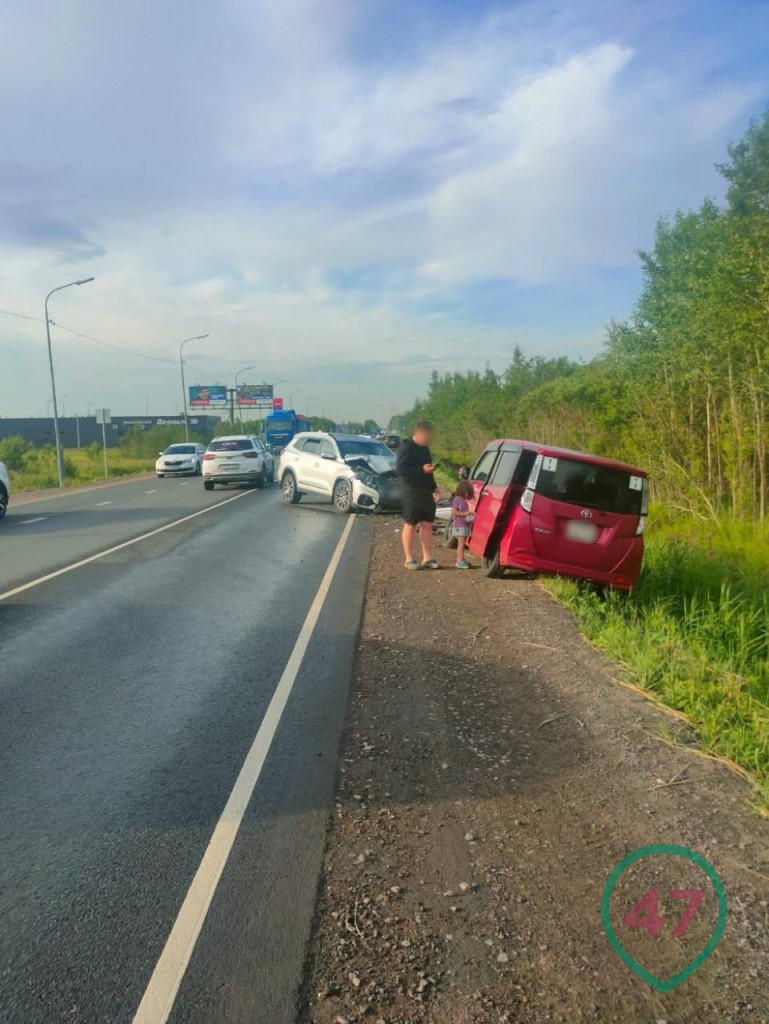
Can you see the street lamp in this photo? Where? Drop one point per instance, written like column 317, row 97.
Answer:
column 296, row 391
column 59, row 453
column 198, row 337
column 244, row 369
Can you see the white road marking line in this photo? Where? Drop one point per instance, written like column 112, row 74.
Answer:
column 117, row 547
column 100, row 503
column 160, row 994
column 37, row 519
column 153, row 491
column 182, row 483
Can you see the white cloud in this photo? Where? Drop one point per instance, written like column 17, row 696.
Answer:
column 570, row 172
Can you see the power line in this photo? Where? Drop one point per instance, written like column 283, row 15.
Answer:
column 88, row 337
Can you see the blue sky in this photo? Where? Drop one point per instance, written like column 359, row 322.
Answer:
column 347, row 194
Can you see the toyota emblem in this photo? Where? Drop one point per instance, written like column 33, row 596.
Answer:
column 587, row 513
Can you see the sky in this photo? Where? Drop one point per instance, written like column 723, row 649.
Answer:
column 345, row 194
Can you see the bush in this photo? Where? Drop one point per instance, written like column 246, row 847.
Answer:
column 12, row 452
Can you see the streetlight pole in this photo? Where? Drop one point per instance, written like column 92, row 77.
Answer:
column 296, row 391
column 59, row 453
column 244, row 369
column 198, row 337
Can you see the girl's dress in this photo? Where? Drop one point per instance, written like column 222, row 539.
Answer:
column 460, row 524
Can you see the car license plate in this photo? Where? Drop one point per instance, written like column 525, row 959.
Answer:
column 232, row 467
column 583, row 533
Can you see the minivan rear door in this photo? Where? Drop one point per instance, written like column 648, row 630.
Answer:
column 584, row 513
column 491, row 481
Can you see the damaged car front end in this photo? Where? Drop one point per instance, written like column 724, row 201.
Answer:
column 374, row 489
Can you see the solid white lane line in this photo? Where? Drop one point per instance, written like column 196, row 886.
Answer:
column 37, row 519
column 117, row 547
column 153, row 491
column 100, row 503
column 161, row 992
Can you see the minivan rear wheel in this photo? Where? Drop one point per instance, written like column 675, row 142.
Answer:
column 208, row 484
column 492, row 566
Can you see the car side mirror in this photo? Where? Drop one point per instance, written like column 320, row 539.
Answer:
column 328, row 457
column 161, row 453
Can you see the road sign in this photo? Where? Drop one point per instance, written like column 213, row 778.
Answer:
column 207, row 395
column 254, row 394
column 103, row 416
column 277, row 403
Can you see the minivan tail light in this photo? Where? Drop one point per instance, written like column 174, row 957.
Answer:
column 527, row 499
column 208, row 456
column 644, row 508
column 251, row 455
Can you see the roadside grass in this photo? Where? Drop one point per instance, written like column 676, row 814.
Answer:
column 37, row 467
column 695, row 633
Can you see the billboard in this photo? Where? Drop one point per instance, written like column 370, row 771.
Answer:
column 208, row 394
column 277, row 403
column 254, row 394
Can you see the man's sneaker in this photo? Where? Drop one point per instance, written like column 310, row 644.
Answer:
column 431, row 563
column 463, row 565
column 412, row 564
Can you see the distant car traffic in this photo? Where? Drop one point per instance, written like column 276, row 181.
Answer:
column 240, row 458
column 180, row 460
column 352, row 471
column 5, row 489
column 392, row 441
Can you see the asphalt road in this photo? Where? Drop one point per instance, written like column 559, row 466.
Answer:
column 44, row 533
column 131, row 692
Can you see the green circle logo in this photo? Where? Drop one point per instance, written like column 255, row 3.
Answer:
column 653, row 923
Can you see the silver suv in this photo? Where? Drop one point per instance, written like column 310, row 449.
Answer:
column 5, row 489
column 352, row 471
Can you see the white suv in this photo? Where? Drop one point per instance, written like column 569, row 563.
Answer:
column 5, row 489
column 241, row 458
column 354, row 472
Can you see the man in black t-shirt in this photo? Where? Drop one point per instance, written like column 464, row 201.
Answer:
column 414, row 467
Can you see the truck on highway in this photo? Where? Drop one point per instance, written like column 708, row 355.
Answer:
column 281, row 425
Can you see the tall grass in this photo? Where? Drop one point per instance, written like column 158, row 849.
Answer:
column 36, row 468
column 695, row 632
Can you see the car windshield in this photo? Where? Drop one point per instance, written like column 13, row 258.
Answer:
column 279, row 421
column 590, row 485
column 180, row 449
column 233, row 444
column 363, row 447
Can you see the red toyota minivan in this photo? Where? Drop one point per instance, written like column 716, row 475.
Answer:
column 552, row 510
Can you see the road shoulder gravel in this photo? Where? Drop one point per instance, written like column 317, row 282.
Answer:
column 491, row 777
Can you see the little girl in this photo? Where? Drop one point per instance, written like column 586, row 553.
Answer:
column 460, row 522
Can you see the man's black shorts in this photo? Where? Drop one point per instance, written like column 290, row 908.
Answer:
column 418, row 507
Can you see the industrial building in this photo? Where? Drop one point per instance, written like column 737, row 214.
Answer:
column 80, row 431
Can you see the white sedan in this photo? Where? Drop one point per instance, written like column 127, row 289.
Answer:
column 180, row 460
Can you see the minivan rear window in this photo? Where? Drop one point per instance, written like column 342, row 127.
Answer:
column 590, row 485
column 240, row 444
